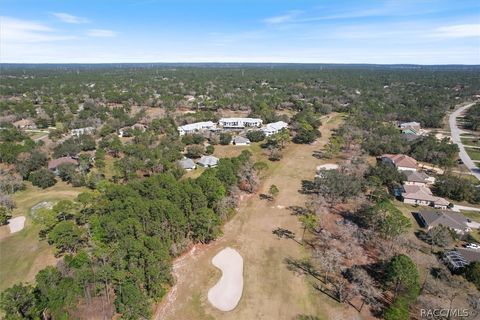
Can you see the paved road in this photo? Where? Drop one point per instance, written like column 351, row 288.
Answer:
column 458, row 207
column 455, row 132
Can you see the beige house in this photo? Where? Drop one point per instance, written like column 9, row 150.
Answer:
column 422, row 196
column 24, row 124
column 418, row 178
column 400, row 161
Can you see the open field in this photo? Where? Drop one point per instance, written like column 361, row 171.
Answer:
column 271, row 291
column 470, row 141
column 22, row 254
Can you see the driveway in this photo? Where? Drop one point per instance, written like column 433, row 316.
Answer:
column 455, row 132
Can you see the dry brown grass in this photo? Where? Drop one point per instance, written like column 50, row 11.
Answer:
column 271, row 291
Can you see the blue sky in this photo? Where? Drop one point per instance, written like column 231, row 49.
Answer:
column 84, row 31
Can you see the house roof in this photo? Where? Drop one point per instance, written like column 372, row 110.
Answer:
column 23, row 122
column 187, row 163
column 471, row 255
column 197, row 125
column 240, row 140
column 275, row 126
column 53, row 164
column 446, row 218
column 208, row 161
column 415, row 176
column 401, row 160
column 240, row 120
column 422, row 193
column 409, row 124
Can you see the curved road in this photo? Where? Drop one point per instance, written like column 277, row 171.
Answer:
column 455, row 133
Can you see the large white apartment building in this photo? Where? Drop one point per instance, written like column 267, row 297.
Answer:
column 194, row 127
column 240, row 123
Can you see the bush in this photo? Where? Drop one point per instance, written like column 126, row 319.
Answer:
column 209, row 149
column 195, row 151
column 225, row 138
column 472, row 273
column 256, row 135
column 4, row 215
column 42, row 178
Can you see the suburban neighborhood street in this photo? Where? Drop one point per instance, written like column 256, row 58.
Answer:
column 455, row 132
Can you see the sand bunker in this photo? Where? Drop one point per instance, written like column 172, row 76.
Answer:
column 16, row 224
column 327, row 166
column 226, row 294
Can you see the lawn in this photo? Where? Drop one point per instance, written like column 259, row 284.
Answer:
column 470, row 141
column 473, row 153
column 472, row 215
column 22, row 254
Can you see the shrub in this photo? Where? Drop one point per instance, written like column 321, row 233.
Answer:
column 225, row 138
column 42, row 178
column 256, row 135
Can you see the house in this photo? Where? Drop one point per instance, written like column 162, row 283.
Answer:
column 451, row 219
column 400, row 161
column 208, row 161
column 24, row 124
column 418, row 178
column 240, row 123
column 187, row 164
column 195, row 127
column 81, row 131
column 54, row 164
column 422, row 196
column 274, row 127
column 410, row 127
column 240, row 141
column 460, row 258
column 127, row 131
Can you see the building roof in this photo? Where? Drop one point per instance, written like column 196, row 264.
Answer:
column 53, row 164
column 23, row 123
column 455, row 259
column 240, row 140
column 275, row 126
column 470, row 255
column 197, row 125
column 422, row 193
column 240, row 120
column 416, row 176
column 409, row 124
column 208, row 161
column 445, row 218
column 187, row 163
column 401, row 160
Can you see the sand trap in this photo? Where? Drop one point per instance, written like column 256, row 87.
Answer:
column 327, row 166
column 16, row 224
column 226, row 294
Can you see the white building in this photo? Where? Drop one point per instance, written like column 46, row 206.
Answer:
column 274, row 127
column 240, row 141
column 194, row 127
column 78, row 132
column 240, row 123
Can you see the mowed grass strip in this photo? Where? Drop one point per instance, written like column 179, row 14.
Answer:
column 473, row 153
column 22, row 254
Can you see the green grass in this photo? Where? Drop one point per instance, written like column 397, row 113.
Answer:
column 470, row 141
column 472, row 215
column 473, row 153
column 22, row 254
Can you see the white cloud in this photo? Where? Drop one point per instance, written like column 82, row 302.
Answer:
column 101, row 33
column 289, row 16
column 14, row 30
column 68, row 18
column 458, row 31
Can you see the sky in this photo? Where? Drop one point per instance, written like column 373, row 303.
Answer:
column 294, row 31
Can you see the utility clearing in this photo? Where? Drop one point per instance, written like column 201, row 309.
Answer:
column 226, row 294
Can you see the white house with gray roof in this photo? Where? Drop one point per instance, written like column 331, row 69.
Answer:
column 208, row 161
column 195, row 127
column 274, row 127
column 187, row 164
column 240, row 141
column 451, row 219
column 240, row 123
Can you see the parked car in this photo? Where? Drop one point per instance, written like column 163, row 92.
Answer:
column 472, row 246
